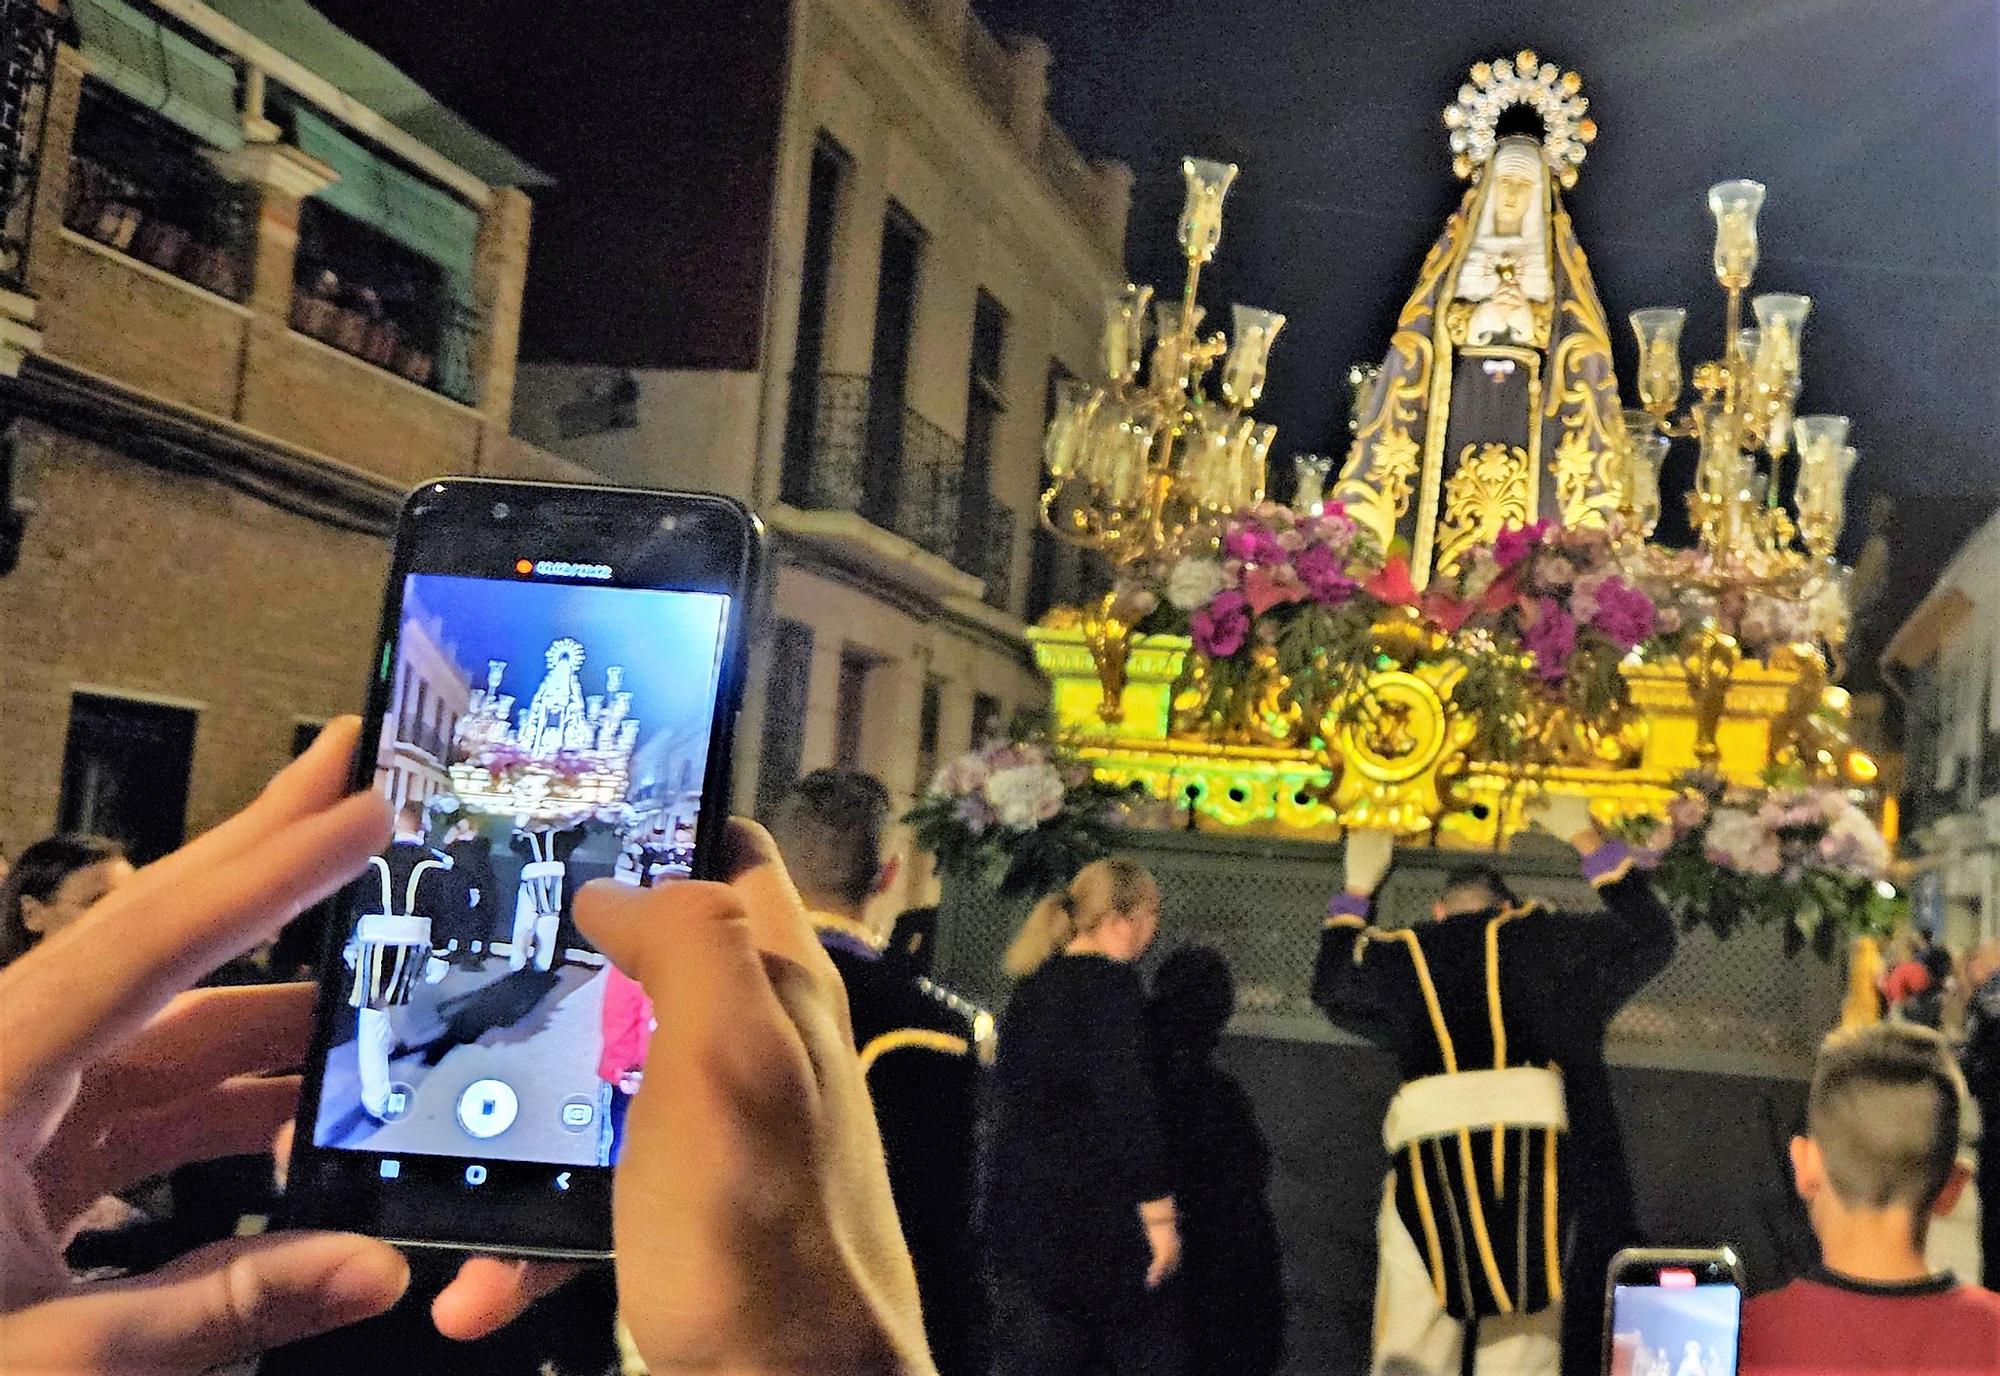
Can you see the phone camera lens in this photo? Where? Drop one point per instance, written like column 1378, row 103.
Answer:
column 501, row 511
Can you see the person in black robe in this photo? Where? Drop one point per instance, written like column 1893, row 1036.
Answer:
column 1510, row 1186
column 917, row 1044
column 1232, row 1277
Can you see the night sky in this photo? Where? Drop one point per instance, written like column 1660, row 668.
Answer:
column 1876, row 127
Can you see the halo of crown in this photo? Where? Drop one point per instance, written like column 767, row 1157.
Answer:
column 1524, row 79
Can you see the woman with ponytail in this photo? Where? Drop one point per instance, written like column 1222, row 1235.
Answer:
column 1082, row 1233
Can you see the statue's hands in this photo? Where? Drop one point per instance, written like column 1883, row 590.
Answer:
column 1369, row 852
column 1566, row 817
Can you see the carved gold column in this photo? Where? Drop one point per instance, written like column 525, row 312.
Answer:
column 1709, row 660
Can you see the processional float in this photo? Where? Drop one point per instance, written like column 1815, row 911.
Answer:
column 564, row 759
column 1408, row 677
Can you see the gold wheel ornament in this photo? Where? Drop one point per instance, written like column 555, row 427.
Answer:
column 1394, row 745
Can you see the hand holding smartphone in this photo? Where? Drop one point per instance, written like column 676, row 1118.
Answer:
column 552, row 703
column 1670, row 1312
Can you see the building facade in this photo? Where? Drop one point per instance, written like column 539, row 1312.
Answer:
column 241, row 312
column 936, row 257
column 1944, row 664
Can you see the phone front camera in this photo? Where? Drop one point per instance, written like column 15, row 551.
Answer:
column 501, row 511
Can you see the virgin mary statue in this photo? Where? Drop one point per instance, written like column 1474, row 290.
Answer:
column 1497, row 404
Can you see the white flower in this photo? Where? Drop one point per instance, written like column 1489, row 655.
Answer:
column 1194, row 581
column 1740, row 841
column 963, row 775
column 1025, row 796
column 1858, row 843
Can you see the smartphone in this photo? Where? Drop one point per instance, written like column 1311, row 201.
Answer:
column 551, row 702
column 1673, row 1312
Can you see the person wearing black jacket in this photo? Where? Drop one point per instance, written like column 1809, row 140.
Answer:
column 1080, row 1212
column 1232, row 1276
column 917, row 1045
column 1509, row 1184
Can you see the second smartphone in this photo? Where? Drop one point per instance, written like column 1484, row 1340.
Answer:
column 552, row 702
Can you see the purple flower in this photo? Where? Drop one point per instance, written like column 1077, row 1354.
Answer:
column 1320, row 569
column 1253, row 544
column 1551, row 640
column 1516, row 543
column 1220, row 627
column 974, row 813
column 1624, row 613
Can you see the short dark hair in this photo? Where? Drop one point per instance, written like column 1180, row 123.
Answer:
column 1884, row 1109
column 829, row 829
column 1482, row 877
column 39, row 872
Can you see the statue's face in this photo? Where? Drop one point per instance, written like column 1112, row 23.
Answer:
column 1512, row 194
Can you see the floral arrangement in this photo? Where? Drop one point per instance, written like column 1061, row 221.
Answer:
column 1556, row 614
column 1016, row 815
column 1682, row 583
column 1789, row 851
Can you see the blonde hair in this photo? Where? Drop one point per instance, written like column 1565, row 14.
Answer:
column 1102, row 889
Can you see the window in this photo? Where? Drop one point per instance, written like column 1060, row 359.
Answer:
column 927, row 731
column 423, row 696
column 784, row 712
column 850, row 704
column 889, row 365
column 982, row 410
column 139, row 184
column 829, row 172
column 125, row 773
column 384, row 266
column 987, row 723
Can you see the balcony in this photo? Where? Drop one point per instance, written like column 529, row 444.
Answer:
column 27, row 48
column 901, row 476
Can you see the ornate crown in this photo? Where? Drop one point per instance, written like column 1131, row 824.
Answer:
column 1524, row 79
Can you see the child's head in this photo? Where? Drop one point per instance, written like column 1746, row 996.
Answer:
column 1882, row 1127
column 1194, row 994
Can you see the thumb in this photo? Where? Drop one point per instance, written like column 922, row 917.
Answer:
column 223, row 1303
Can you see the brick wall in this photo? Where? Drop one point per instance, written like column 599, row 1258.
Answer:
column 174, row 586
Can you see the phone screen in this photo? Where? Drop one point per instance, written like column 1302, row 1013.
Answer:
column 1681, row 1325
column 541, row 732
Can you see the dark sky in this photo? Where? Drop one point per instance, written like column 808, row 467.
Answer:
column 1876, row 127
column 1874, row 123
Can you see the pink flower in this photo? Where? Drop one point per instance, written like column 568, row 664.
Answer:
column 1686, row 812
column 1291, row 541
column 1516, row 543
column 1253, row 544
column 1324, row 577
column 1220, row 627
column 1624, row 614
column 1583, row 596
column 1554, row 573
column 1551, row 639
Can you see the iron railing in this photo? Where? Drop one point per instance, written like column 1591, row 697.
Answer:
column 27, row 56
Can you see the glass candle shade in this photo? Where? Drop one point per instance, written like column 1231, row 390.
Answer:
column 1645, row 451
column 1658, row 330
column 1249, row 452
column 1205, row 477
column 1170, row 362
column 1243, row 370
column 1069, row 427
column 1131, row 463
column 1125, row 332
column 1361, row 379
column 1201, row 218
column 1819, row 437
column 1781, row 318
column 1735, row 205
column 1311, row 472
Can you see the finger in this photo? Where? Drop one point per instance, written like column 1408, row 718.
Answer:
column 237, row 1118
column 312, row 783
column 777, row 915
column 202, row 1038
column 224, row 1303
column 691, row 947
column 491, row 1292
column 93, row 984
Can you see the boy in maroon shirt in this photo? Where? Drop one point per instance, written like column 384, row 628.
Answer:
column 1879, row 1159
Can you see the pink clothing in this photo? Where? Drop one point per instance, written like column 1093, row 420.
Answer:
column 627, row 1025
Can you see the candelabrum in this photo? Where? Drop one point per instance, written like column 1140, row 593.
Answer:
column 1744, row 421
column 1133, row 465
